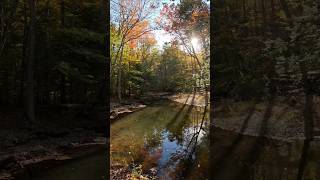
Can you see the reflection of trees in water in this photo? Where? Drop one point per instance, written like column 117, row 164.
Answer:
column 193, row 131
column 153, row 140
column 180, row 121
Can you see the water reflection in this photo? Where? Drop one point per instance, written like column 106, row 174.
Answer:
column 162, row 136
column 173, row 139
column 235, row 156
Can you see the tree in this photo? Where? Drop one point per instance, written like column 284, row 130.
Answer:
column 184, row 20
column 131, row 22
column 29, row 83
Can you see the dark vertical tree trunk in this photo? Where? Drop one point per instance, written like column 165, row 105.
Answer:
column 285, row 9
column 244, row 9
column 102, row 95
column 23, row 62
column 46, row 92
column 29, row 91
column 272, row 16
column 6, row 17
column 263, row 8
column 62, row 12
column 255, row 17
column 63, row 77
column 63, row 89
column 318, row 8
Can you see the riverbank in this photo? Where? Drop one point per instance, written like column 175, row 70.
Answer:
column 37, row 150
column 281, row 119
column 196, row 99
column 59, row 129
column 130, row 105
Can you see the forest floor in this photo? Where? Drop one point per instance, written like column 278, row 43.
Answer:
column 55, row 133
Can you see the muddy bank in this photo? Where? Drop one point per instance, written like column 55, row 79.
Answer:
column 16, row 159
column 128, row 106
column 57, row 130
column 196, row 99
column 282, row 118
column 87, row 161
column 120, row 110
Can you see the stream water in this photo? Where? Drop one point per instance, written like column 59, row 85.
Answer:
column 91, row 164
column 166, row 137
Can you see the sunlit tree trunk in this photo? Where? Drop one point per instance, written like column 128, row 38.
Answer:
column 119, row 89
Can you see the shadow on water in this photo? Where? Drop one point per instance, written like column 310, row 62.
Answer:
column 224, row 162
column 177, row 124
column 240, row 157
column 156, row 139
column 176, row 116
column 174, row 140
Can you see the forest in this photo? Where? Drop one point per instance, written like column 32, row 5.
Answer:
column 266, row 84
column 52, row 49
column 139, row 65
column 263, row 60
column 160, row 89
column 160, row 86
column 53, row 81
column 266, row 48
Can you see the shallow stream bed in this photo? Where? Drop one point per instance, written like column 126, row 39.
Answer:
column 165, row 139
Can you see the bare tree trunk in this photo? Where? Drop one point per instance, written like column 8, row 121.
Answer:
column 119, row 76
column 29, row 92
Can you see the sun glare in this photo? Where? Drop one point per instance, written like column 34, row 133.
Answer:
column 195, row 43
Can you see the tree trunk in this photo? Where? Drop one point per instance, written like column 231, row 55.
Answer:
column 286, row 10
column 63, row 89
column 63, row 77
column 29, row 92
column 102, row 95
column 263, row 16
column 62, row 12
column 119, row 76
column 244, row 8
